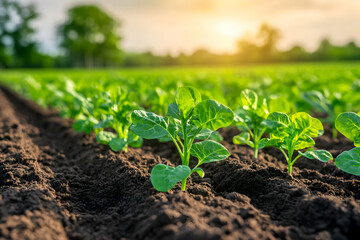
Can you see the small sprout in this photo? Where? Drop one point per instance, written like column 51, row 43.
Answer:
column 250, row 119
column 189, row 118
column 115, row 109
column 295, row 133
column 107, row 114
column 349, row 125
column 324, row 104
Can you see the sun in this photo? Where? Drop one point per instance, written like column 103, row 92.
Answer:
column 229, row 28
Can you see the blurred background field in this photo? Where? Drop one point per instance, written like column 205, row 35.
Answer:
column 279, row 49
column 283, row 84
column 158, row 33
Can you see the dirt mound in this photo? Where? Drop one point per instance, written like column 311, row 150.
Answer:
column 56, row 184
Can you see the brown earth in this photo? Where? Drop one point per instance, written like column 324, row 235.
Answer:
column 56, row 184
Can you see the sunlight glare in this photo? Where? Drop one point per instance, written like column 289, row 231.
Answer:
column 229, row 28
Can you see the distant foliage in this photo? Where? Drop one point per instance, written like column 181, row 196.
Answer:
column 90, row 38
column 18, row 47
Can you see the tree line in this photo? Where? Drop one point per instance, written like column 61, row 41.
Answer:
column 90, row 38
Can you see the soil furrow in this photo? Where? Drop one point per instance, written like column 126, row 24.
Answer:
column 28, row 205
column 57, row 184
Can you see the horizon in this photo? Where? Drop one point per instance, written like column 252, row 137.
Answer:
column 183, row 27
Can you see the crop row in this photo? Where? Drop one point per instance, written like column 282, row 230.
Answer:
column 191, row 123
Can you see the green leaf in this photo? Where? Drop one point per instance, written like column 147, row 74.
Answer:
column 304, row 142
column 106, row 122
column 305, row 124
column 199, row 171
column 213, row 115
column 249, row 99
column 280, row 104
column 149, row 125
column 173, row 110
column 243, row 138
column 318, row 101
column 186, row 99
column 321, row 155
column 242, row 118
column 277, row 119
column 85, row 125
column 262, row 110
column 165, row 139
column 202, row 135
column 216, row 136
column 209, row 151
column 273, row 142
column 349, row 125
column 117, row 144
column 263, row 143
column 164, row 177
column 349, row 161
column 105, row 137
column 134, row 140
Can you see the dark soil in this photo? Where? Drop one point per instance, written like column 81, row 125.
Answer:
column 56, row 184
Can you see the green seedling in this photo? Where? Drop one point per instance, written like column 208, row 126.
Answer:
column 89, row 110
column 250, row 119
column 295, row 133
column 159, row 99
column 115, row 109
column 189, row 119
column 349, row 125
column 330, row 106
column 108, row 115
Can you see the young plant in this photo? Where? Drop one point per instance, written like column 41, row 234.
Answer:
column 116, row 108
column 324, row 104
column 73, row 102
column 89, row 113
column 188, row 119
column 107, row 114
column 349, row 125
column 295, row 133
column 250, row 120
column 159, row 99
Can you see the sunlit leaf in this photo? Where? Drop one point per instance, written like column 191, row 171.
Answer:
column 164, row 177
column 209, row 151
column 349, row 161
column 212, row 115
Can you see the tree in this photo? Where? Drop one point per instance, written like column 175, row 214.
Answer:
column 351, row 51
column 324, row 50
column 260, row 47
column 89, row 37
column 268, row 38
column 17, row 45
column 296, row 53
column 247, row 50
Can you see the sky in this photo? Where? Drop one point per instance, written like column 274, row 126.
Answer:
column 174, row 26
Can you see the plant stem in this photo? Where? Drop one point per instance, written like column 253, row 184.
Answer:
column 334, row 132
column 185, row 149
column 288, row 159
column 290, row 162
column 183, row 185
column 256, row 151
column 255, row 139
column 289, row 168
column 186, row 155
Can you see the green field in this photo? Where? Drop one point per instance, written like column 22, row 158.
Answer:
column 221, row 83
column 283, row 85
column 99, row 100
